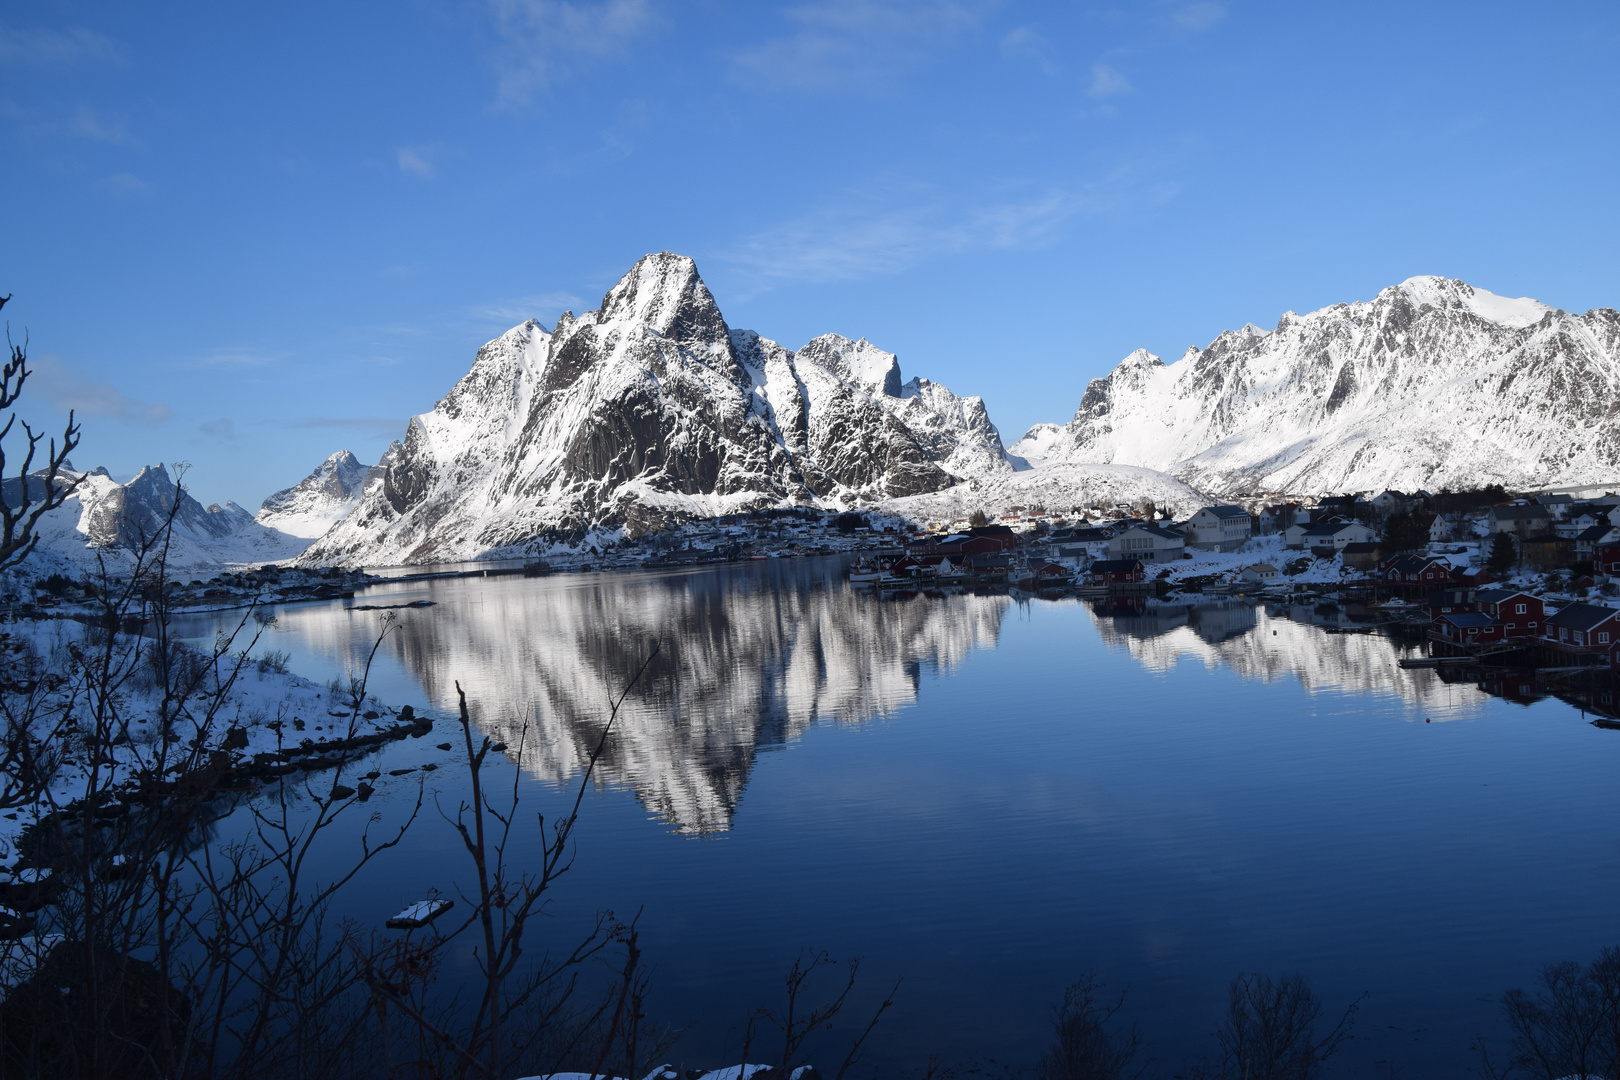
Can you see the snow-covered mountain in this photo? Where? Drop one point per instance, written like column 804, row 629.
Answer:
column 648, row 411
column 108, row 520
column 318, row 501
column 1434, row 383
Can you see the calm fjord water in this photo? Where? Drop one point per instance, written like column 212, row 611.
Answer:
column 989, row 798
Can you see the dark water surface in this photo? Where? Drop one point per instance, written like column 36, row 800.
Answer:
column 989, row 798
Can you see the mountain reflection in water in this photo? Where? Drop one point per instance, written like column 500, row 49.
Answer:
column 752, row 655
column 748, row 659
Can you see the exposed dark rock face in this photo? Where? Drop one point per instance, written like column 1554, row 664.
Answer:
column 648, row 411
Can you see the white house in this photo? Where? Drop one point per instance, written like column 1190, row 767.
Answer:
column 1330, row 537
column 1149, row 543
column 1219, row 528
column 1259, row 573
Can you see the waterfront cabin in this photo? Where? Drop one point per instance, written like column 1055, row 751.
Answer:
column 1259, row 574
column 1583, row 633
column 1050, row 574
column 1520, row 614
column 1118, row 572
column 1467, row 628
column 1219, row 528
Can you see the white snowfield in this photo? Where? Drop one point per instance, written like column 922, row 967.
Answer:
column 102, row 520
column 1433, row 383
column 319, row 501
column 1060, row 487
column 272, row 710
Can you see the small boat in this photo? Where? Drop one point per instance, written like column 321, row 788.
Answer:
column 861, row 573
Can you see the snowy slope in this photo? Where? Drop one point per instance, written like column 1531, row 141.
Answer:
column 1057, row 486
column 107, row 520
column 1434, row 383
column 648, row 411
column 318, row 501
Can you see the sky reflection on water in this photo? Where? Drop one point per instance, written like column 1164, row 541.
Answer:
column 990, row 797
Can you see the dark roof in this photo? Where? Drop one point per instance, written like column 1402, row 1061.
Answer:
column 1496, row 596
column 1469, row 618
column 1414, row 564
column 1157, row 530
column 1582, row 616
column 1109, row 566
column 1227, row 511
column 1519, row 513
column 1329, row 528
column 1594, row 532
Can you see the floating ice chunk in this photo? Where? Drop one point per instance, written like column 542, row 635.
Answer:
column 419, row 914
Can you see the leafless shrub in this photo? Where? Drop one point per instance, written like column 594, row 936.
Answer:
column 1570, row 1027
column 1270, row 1030
column 273, row 660
column 1088, row 1047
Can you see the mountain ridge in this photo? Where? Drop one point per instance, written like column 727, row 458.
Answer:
column 648, row 411
column 1432, row 383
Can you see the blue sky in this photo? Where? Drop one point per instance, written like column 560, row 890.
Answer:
column 246, row 236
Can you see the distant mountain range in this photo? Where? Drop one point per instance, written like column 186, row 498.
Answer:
column 651, row 410
column 1432, row 384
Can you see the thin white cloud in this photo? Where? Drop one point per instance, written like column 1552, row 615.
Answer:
column 887, row 231
column 543, row 41
column 65, row 387
column 233, row 357
column 124, row 185
column 543, row 306
column 223, row 429
column 415, row 159
column 1023, row 44
column 86, row 124
column 869, row 238
column 855, row 44
column 42, row 47
column 1107, row 82
column 1198, row 17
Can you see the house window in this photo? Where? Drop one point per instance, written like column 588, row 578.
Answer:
column 1519, row 609
column 1532, row 625
column 1511, row 626
column 1603, row 638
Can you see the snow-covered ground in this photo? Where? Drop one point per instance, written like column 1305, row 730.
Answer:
column 269, row 710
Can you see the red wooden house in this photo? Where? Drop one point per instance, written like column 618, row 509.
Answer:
column 1606, row 557
column 1521, row 615
column 1467, row 628
column 1583, row 633
column 1117, row 572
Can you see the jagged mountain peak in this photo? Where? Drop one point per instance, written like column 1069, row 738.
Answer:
column 648, row 411
column 325, row 496
column 859, row 362
column 1450, row 294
